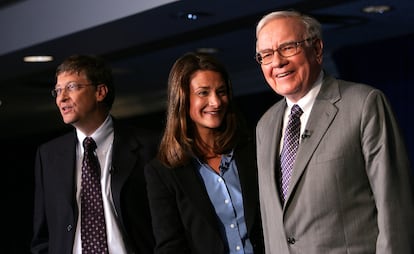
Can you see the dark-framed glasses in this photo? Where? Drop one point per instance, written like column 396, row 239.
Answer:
column 285, row 50
column 70, row 87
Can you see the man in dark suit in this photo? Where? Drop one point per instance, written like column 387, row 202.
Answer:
column 349, row 189
column 84, row 94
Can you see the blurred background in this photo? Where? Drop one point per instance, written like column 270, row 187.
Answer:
column 368, row 41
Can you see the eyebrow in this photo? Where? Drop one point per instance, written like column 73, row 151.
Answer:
column 67, row 83
column 281, row 44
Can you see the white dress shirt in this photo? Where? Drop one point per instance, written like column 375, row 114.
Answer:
column 306, row 104
column 104, row 137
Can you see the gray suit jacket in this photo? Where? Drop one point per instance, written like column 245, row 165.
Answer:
column 351, row 189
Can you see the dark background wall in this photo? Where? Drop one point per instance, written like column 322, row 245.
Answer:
column 385, row 65
column 388, row 66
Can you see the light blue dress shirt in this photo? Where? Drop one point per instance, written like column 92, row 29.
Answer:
column 225, row 194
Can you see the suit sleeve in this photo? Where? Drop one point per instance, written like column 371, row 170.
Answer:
column 389, row 174
column 167, row 225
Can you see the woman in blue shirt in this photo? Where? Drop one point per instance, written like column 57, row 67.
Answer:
column 202, row 187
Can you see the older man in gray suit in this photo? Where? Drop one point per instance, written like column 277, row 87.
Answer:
column 349, row 189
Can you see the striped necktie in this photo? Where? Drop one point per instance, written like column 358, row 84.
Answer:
column 290, row 147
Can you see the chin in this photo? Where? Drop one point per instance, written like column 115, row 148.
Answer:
column 69, row 120
column 215, row 126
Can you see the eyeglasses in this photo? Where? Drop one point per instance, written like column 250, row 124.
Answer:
column 70, row 87
column 285, row 50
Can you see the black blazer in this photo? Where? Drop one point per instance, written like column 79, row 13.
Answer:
column 55, row 207
column 184, row 219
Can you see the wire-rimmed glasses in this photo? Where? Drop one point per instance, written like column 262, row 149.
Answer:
column 285, row 50
column 70, row 87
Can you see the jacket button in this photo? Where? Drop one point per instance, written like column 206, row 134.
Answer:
column 291, row 240
column 69, row 228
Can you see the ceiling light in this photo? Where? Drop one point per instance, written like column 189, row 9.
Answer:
column 37, row 59
column 192, row 15
column 379, row 9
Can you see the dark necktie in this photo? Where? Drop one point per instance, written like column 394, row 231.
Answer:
column 290, row 147
column 93, row 231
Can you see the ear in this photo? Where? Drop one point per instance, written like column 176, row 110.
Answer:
column 318, row 46
column 101, row 92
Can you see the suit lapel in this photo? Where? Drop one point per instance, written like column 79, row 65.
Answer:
column 192, row 185
column 124, row 155
column 247, row 169
column 63, row 157
column 275, row 136
column 321, row 117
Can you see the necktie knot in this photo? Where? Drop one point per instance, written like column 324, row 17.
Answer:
column 296, row 111
column 89, row 144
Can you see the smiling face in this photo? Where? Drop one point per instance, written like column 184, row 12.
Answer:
column 80, row 107
column 208, row 100
column 291, row 76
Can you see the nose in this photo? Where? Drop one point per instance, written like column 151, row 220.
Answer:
column 214, row 100
column 278, row 60
column 62, row 96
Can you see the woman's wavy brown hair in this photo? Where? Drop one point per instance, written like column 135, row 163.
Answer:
column 178, row 142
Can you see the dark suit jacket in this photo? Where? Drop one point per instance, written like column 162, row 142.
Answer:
column 184, row 219
column 350, row 190
column 55, row 208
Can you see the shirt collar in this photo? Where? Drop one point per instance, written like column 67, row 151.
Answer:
column 306, row 102
column 101, row 134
